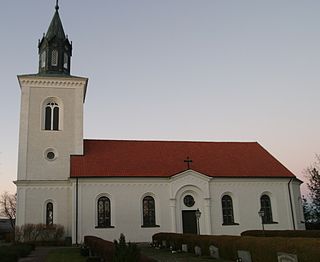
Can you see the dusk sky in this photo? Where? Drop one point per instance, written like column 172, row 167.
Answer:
column 201, row 70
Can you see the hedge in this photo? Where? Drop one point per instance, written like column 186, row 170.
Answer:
column 106, row 249
column 312, row 225
column 98, row 246
column 282, row 233
column 262, row 249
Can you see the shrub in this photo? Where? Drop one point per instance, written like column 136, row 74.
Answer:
column 23, row 249
column 40, row 234
column 7, row 254
column 312, row 225
column 18, row 234
column 98, row 246
column 116, row 251
column 14, row 252
column 84, row 251
column 28, row 232
column 125, row 252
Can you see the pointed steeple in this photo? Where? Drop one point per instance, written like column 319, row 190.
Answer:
column 55, row 27
column 55, row 50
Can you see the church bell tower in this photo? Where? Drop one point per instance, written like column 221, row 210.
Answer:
column 51, row 129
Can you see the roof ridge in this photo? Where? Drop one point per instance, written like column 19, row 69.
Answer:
column 173, row 141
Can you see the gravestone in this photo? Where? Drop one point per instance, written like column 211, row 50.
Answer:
column 197, row 251
column 286, row 257
column 244, row 255
column 164, row 243
column 184, row 248
column 214, row 252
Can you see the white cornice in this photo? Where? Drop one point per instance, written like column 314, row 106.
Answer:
column 43, row 183
column 49, row 82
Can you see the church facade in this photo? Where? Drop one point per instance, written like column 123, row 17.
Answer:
column 108, row 187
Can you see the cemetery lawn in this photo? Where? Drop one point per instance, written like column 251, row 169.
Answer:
column 70, row 254
column 165, row 255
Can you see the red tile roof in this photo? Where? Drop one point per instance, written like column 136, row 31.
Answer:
column 121, row 158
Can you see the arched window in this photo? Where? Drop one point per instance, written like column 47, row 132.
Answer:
column 227, row 210
column 266, row 208
column 54, row 58
column 104, row 212
column 149, row 213
column 65, row 60
column 43, row 59
column 52, row 116
column 49, row 214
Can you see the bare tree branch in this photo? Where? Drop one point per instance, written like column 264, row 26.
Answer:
column 313, row 176
column 8, row 206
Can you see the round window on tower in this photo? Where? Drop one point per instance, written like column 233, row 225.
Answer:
column 50, row 154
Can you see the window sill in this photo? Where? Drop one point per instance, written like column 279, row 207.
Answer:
column 104, row 227
column 231, row 224
column 148, row 226
column 270, row 223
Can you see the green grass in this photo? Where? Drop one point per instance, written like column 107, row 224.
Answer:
column 70, row 254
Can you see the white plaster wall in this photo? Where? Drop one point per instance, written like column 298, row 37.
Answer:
column 34, row 141
column 32, row 201
column 297, row 204
column 33, row 168
column 126, row 207
column 126, row 200
column 246, row 195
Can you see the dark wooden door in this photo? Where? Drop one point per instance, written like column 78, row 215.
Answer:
column 189, row 221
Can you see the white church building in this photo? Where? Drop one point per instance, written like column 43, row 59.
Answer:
column 107, row 187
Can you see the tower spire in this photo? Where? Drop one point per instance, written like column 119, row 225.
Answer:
column 55, row 50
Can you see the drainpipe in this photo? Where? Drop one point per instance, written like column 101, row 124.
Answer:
column 77, row 207
column 292, row 215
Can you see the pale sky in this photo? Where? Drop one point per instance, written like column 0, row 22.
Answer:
column 202, row 70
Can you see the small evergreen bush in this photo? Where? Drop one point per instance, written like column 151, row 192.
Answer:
column 125, row 252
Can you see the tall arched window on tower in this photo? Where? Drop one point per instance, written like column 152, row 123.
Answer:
column 49, row 214
column 54, row 57
column 104, row 212
column 265, row 203
column 65, row 60
column 149, row 212
column 51, row 116
column 43, row 59
column 227, row 210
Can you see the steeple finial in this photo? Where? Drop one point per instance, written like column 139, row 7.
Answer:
column 57, row 5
